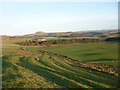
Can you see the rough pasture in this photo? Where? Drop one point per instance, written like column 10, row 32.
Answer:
column 113, row 70
column 53, row 69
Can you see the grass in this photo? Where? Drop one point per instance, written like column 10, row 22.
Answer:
column 21, row 70
column 85, row 52
column 110, row 63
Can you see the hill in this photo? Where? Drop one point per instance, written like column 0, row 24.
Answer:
column 93, row 33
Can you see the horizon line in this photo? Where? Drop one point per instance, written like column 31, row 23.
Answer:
column 60, row 32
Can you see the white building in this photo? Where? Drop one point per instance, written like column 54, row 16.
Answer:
column 41, row 39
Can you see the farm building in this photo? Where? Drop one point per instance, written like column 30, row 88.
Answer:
column 41, row 39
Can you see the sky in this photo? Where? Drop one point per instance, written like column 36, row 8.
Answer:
column 19, row 18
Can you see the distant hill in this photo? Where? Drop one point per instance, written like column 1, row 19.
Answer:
column 37, row 33
column 102, row 34
column 92, row 33
column 4, row 37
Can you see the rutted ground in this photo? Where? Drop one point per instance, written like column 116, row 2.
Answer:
column 32, row 68
column 22, row 69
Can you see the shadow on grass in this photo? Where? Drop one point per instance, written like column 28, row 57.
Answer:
column 102, row 60
column 48, row 74
column 10, row 74
column 17, row 43
column 90, row 54
column 56, row 76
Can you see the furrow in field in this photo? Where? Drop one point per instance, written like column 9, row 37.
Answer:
column 47, row 73
column 54, row 71
column 25, row 78
column 79, row 72
column 99, row 67
column 75, row 74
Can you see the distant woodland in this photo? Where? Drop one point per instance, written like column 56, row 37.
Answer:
column 57, row 41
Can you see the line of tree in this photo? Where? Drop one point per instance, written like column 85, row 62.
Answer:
column 113, row 39
column 57, row 41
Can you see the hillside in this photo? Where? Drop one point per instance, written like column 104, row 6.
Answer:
column 103, row 34
column 59, row 66
column 94, row 33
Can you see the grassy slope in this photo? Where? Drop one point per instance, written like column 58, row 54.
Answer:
column 110, row 63
column 20, row 69
column 86, row 52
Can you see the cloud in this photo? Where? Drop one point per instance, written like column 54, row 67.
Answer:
column 59, row 1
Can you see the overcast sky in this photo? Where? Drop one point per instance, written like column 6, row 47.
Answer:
column 20, row 18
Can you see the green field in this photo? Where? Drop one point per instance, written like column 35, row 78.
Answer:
column 22, row 70
column 85, row 51
column 114, row 63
